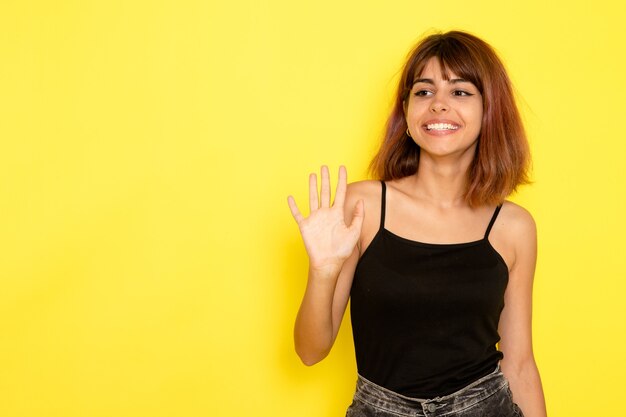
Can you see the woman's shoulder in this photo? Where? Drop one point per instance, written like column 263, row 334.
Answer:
column 516, row 228
column 514, row 233
column 369, row 191
column 518, row 220
column 365, row 188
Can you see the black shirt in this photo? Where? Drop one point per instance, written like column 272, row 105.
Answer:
column 425, row 316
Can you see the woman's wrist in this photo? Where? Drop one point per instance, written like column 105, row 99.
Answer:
column 325, row 271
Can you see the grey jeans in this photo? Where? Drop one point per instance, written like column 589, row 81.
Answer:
column 486, row 397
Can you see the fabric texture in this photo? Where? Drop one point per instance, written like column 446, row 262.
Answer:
column 489, row 396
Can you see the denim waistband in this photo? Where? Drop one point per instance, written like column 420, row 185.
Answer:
column 466, row 397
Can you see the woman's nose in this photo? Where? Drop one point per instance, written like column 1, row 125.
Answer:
column 438, row 104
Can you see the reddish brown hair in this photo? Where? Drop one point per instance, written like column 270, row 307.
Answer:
column 502, row 156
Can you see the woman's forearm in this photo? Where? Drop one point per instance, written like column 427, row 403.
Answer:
column 314, row 331
column 526, row 387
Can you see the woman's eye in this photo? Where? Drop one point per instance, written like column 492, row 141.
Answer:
column 461, row 93
column 422, row 93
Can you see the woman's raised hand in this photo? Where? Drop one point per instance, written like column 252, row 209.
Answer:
column 327, row 238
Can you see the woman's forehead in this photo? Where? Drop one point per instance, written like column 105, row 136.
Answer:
column 446, row 69
column 432, row 67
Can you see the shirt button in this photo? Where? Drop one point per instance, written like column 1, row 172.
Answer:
column 431, row 407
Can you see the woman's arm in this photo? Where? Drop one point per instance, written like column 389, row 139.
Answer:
column 333, row 254
column 515, row 327
column 322, row 309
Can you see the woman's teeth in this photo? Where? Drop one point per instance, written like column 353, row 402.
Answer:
column 441, row 126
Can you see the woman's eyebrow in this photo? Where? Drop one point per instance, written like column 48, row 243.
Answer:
column 430, row 81
column 423, row 80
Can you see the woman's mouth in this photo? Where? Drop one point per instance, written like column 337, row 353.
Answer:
column 441, row 126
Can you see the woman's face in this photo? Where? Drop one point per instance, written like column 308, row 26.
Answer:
column 444, row 116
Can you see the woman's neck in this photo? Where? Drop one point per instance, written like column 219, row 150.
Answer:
column 441, row 183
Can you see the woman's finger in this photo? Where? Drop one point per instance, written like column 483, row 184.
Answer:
column 325, row 192
column 340, row 194
column 313, row 202
column 295, row 212
column 358, row 216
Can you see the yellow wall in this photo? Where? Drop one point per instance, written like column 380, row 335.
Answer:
column 149, row 264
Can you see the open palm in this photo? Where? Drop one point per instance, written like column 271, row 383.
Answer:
column 327, row 238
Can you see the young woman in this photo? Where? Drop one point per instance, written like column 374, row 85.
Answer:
column 438, row 266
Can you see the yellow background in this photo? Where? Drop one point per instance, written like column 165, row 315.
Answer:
column 149, row 265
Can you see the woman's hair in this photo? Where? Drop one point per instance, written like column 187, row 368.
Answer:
column 502, row 156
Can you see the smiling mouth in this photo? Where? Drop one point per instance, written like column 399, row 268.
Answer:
column 441, row 126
